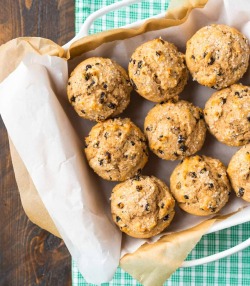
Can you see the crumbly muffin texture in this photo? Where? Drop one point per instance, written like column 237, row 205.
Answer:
column 99, row 88
column 116, row 149
column 200, row 185
column 157, row 70
column 239, row 172
column 175, row 129
column 142, row 206
column 217, row 56
column 227, row 114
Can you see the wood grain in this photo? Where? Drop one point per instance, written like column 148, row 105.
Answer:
column 28, row 254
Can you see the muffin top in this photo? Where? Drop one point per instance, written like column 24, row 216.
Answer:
column 227, row 114
column 217, row 56
column 200, row 185
column 157, row 70
column 99, row 88
column 175, row 129
column 142, row 206
column 116, row 149
column 239, row 172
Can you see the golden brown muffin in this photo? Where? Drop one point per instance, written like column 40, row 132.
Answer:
column 239, row 172
column 217, row 56
column 116, row 149
column 227, row 114
column 142, row 206
column 99, row 88
column 175, row 129
column 200, row 185
column 157, row 70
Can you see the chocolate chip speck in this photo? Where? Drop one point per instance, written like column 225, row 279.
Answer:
column 138, row 188
column 201, row 115
column 136, row 178
column 117, row 218
column 183, row 148
column 139, row 64
column 88, row 67
column 241, row 192
column 166, row 218
column 111, row 105
column 186, row 197
column 224, row 100
column 203, row 170
column 102, row 96
column 192, row 174
column 121, row 205
column 108, row 155
column 181, row 139
column 211, row 61
column 147, row 207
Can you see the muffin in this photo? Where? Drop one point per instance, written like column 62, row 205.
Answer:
column 227, row 114
column 157, row 70
column 200, row 185
column 116, row 149
column 175, row 129
column 239, row 172
column 99, row 88
column 142, row 206
column 217, row 56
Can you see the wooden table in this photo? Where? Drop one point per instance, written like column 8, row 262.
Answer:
column 28, row 254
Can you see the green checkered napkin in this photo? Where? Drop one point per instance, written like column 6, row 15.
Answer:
column 233, row 270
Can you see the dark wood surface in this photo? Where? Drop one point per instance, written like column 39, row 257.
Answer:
column 28, row 254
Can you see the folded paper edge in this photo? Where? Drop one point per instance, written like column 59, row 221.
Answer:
column 17, row 49
column 153, row 264
column 36, row 212
column 173, row 17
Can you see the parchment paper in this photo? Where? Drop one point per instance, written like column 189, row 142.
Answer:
column 159, row 267
column 52, row 154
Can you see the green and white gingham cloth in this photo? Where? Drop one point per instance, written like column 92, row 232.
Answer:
column 233, row 270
